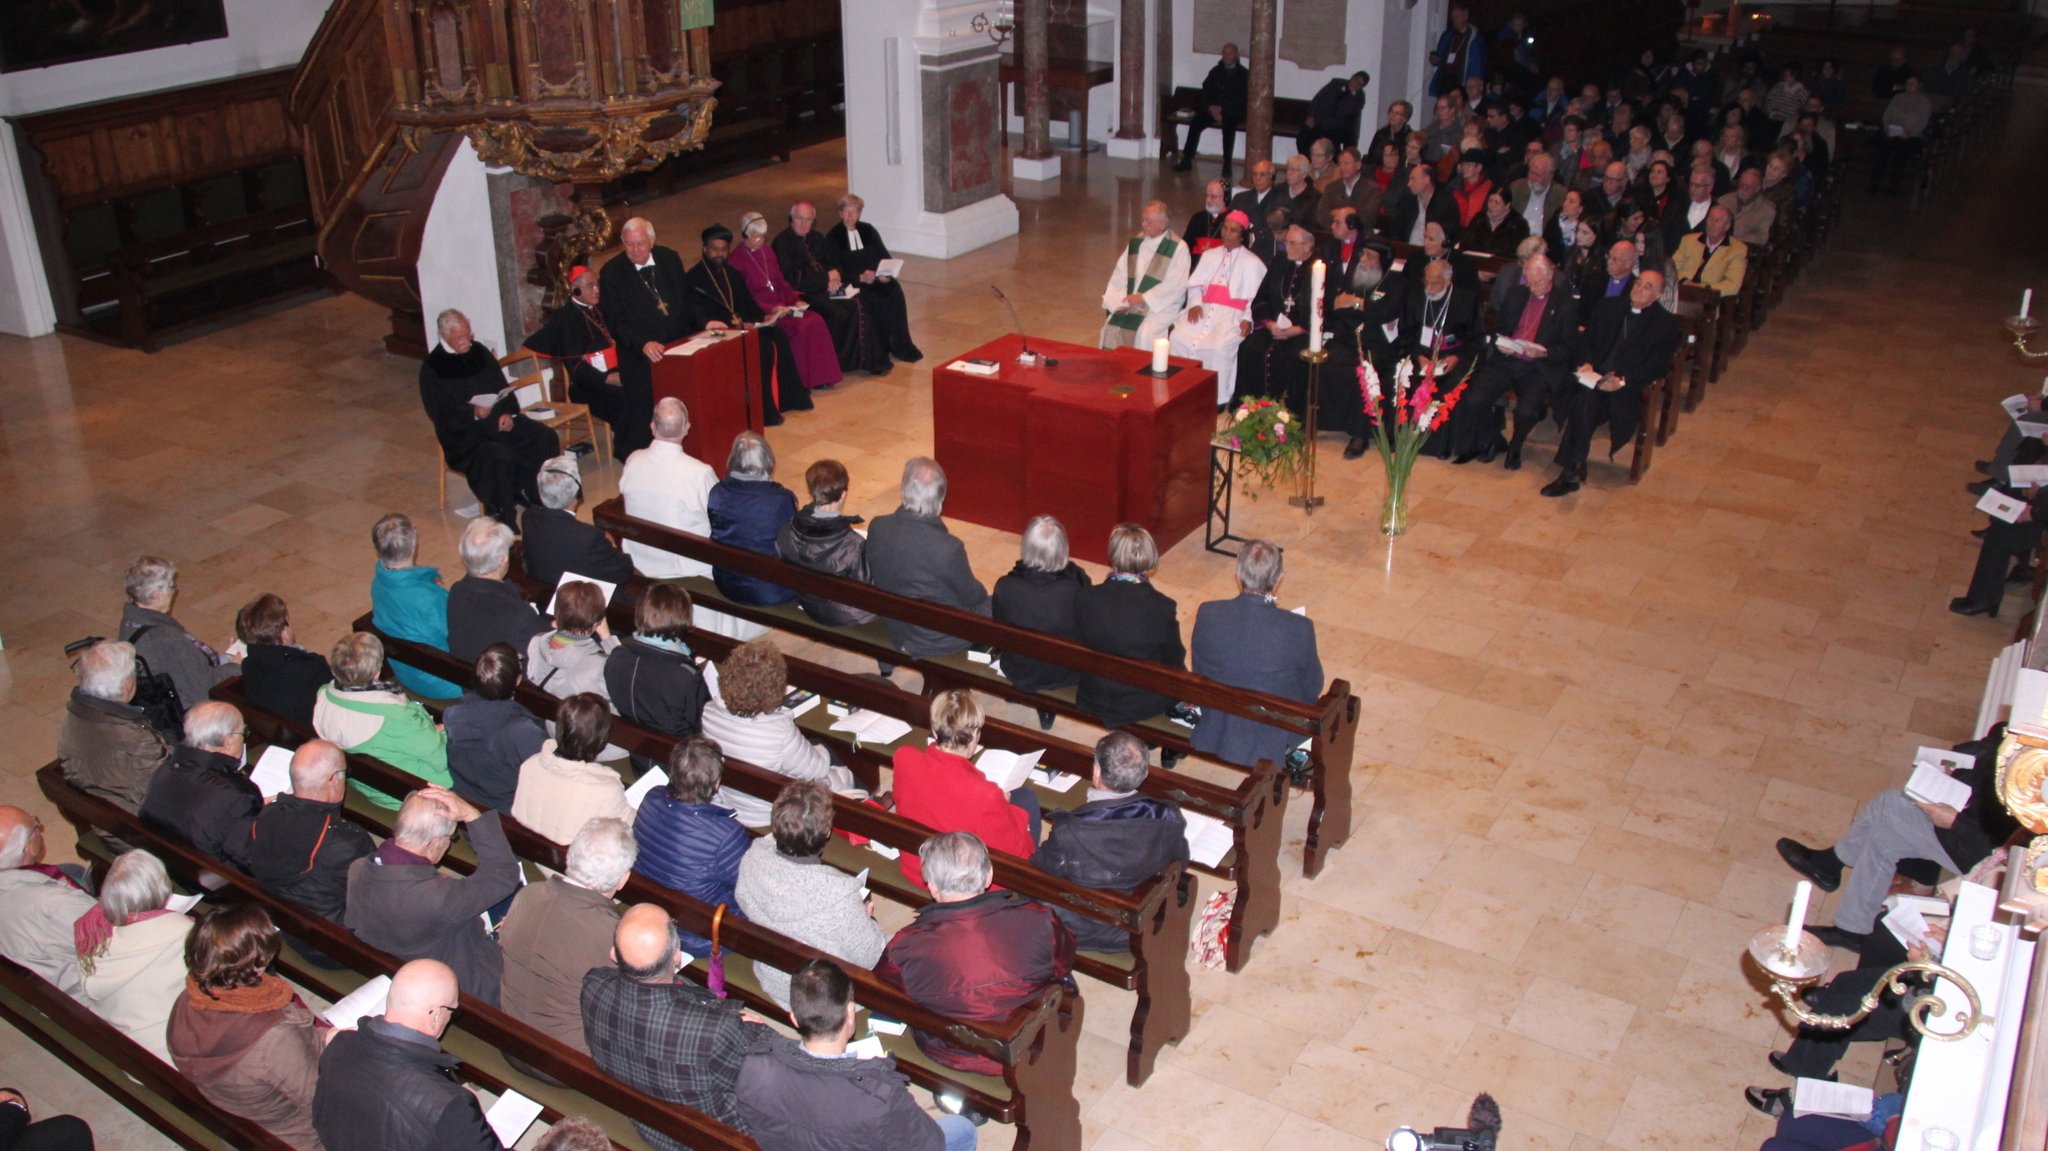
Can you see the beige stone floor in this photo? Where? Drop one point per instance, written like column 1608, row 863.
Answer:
column 1585, row 720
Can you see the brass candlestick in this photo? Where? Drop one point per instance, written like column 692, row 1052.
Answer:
column 1308, row 500
column 1796, row 965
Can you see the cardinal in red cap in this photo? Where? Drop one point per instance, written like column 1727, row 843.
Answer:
column 579, row 343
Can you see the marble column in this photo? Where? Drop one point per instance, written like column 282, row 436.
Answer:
column 1130, row 71
column 922, row 143
column 1035, row 160
column 1258, row 127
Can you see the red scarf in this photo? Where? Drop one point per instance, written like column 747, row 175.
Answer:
column 94, row 931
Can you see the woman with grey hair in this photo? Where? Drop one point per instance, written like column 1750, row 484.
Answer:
column 1125, row 615
column 484, row 607
column 810, row 338
column 748, row 509
column 785, row 885
column 1039, row 595
column 131, row 951
column 365, row 712
column 161, row 641
column 856, row 250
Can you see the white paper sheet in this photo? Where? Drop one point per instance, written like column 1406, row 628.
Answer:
column 272, row 774
column 365, row 1000
column 1007, row 769
column 871, row 726
column 183, row 903
column 654, row 778
column 1820, row 1097
column 1930, row 784
column 606, row 588
column 1998, row 505
column 890, row 268
column 2027, row 475
column 1907, row 925
column 2015, row 405
column 868, row 1048
column 1209, row 838
column 510, row 1116
column 1942, row 758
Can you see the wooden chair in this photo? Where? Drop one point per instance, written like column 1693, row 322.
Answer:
column 1699, row 309
column 541, row 370
column 1648, row 429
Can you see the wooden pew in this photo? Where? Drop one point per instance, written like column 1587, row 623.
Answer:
column 1330, row 722
column 1156, row 916
column 480, row 1035
column 1181, row 107
column 1699, row 308
column 156, row 1092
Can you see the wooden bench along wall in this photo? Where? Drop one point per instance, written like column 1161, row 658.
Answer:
column 156, row 1092
column 1330, row 722
column 1155, row 916
column 157, row 210
column 480, row 1034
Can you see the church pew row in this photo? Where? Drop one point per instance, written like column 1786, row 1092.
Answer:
column 156, row 1092
column 1155, row 917
column 1252, row 811
column 1329, row 723
column 480, row 1035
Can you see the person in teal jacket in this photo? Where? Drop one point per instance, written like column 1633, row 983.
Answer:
column 408, row 601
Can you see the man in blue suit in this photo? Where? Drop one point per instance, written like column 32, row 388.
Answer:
column 1250, row 642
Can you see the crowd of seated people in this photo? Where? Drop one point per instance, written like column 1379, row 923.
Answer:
column 1617, row 181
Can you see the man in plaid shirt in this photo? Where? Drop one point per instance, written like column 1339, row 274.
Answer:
column 658, row 1034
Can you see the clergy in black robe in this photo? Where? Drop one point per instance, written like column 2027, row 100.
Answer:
column 1628, row 344
column 1205, row 228
column 1369, row 303
column 581, row 346
column 856, row 249
column 718, row 294
column 806, row 261
column 498, row 450
column 1440, row 326
column 1269, row 360
column 647, row 307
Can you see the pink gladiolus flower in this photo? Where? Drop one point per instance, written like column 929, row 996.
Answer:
column 1235, row 444
column 1422, row 397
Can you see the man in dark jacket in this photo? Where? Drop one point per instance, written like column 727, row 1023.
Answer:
column 1226, row 93
column 1540, row 326
column 1628, row 344
column 1249, row 641
column 388, row 1086
column 556, row 542
column 484, row 607
column 1333, row 114
column 821, row 537
column 1117, row 840
column 647, row 307
column 401, row 901
column 910, row 552
column 301, row 846
column 490, row 734
column 660, row 1034
column 1015, row 948
column 812, row 1096
column 200, row 794
column 105, row 744
column 278, row 675
column 492, row 445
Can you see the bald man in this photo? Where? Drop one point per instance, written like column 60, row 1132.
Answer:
column 1146, row 285
column 388, row 1086
column 38, row 904
column 660, row 1034
column 301, row 846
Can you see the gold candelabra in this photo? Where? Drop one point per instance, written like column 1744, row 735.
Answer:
column 1796, row 964
column 2021, row 328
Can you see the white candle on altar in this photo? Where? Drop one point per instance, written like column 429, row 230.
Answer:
column 2026, row 302
column 1315, row 313
column 1801, row 896
column 1159, row 347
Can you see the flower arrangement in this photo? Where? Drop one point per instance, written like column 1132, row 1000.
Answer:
column 1270, row 443
column 1415, row 410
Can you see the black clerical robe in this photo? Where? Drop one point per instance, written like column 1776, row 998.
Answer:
column 576, row 339
column 1635, row 345
column 806, row 261
column 886, row 306
column 720, row 295
column 643, row 306
column 502, row 466
column 1359, row 336
column 1269, row 363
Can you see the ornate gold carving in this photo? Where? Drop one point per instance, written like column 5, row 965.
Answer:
column 618, row 144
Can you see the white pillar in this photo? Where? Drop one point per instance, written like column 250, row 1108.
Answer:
column 922, row 145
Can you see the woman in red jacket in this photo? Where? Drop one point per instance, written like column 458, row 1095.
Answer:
column 939, row 786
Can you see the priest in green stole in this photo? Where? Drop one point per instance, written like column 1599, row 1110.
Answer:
column 1147, row 285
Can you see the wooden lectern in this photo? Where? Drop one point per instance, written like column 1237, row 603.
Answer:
column 721, row 385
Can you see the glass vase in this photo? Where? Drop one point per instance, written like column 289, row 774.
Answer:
column 1394, row 510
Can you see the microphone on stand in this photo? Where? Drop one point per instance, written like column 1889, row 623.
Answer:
column 1024, row 353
